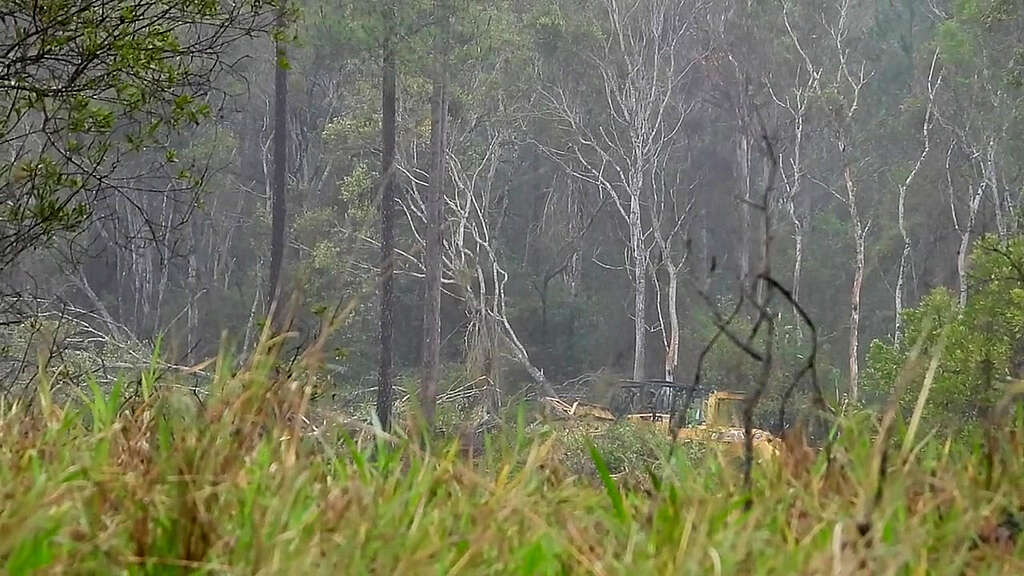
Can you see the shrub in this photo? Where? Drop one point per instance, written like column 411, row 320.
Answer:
column 982, row 342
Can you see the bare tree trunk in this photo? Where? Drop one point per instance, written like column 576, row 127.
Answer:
column 767, row 174
column 992, row 181
column 520, row 354
column 859, row 233
column 434, row 215
column 798, row 258
column 901, row 275
column 963, row 231
column 672, row 354
column 798, row 242
column 250, row 324
column 793, row 186
column 278, row 211
column 743, row 170
column 165, row 266
column 192, row 322
column 901, row 208
column 961, row 267
column 965, row 245
column 389, row 106
column 639, row 287
column 115, row 332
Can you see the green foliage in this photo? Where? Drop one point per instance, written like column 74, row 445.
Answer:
column 85, row 86
column 954, row 42
column 623, row 449
column 983, row 341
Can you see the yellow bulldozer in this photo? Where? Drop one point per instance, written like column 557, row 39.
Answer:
column 717, row 416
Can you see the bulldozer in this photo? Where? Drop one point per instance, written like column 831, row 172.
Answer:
column 717, row 415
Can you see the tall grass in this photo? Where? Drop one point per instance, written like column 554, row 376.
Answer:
column 153, row 482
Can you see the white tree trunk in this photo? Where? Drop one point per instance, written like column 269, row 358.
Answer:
column 743, row 175
column 639, row 287
column 672, row 353
column 961, row 267
column 798, row 259
column 965, row 245
column 900, row 286
column 992, row 182
column 858, row 281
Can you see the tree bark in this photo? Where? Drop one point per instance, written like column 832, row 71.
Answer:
column 798, row 261
column 672, row 354
column 901, row 283
column 389, row 106
column 901, row 209
column 965, row 245
column 277, row 184
column 192, row 321
column 743, row 169
column 767, row 175
column 858, row 281
column 434, row 216
column 639, row 286
column 992, row 181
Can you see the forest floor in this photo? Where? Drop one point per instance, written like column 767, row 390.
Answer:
column 151, row 483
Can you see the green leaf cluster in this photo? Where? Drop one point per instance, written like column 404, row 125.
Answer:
column 984, row 347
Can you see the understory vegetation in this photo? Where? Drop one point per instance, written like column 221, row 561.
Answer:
column 150, row 479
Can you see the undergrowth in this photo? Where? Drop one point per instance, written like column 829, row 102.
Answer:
column 154, row 482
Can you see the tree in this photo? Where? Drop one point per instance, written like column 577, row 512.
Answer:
column 845, row 94
column 670, row 212
column 641, row 63
column 278, row 183
column 386, row 286
column 434, row 208
column 796, row 103
column 933, row 85
column 479, row 155
column 840, row 91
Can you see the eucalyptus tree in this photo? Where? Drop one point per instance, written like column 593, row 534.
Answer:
column 980, row 109
column 933, row 82
column 641, row 56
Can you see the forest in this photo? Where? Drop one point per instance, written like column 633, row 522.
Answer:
column 337, row 275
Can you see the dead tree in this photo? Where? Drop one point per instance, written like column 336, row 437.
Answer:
column 641, row 66
column 670, row 207
column 840, row 91
column 847, row 85
column 964, row 226
column 933, row 85
column 795, row 102
column 472, row 267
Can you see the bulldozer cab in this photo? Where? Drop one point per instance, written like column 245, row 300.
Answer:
column 724, row 409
